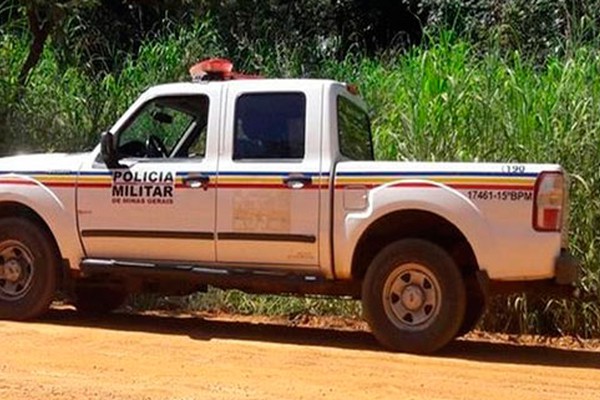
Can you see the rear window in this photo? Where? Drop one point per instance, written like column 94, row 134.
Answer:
column 270, row 126
column 354, row 131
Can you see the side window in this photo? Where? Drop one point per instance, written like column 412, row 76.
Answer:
column 167, row 127
column 354, row 131
column 269, row 126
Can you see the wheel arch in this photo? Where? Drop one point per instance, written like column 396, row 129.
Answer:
column 16, row 209
column 418, row 224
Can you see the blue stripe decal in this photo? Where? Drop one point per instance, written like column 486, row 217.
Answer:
column 58, row 173
column 40, row 172
column 179, row 173
column 266, row 173
column 232, row 173
column 93, row 173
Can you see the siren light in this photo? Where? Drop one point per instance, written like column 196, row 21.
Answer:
column 352, row 88
column 216, row 69
column 211, row 69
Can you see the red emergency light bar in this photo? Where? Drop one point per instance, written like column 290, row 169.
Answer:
column 216, row 69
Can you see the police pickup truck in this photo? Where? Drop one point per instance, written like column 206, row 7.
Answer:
column 270, row 186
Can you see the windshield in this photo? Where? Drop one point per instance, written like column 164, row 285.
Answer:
column 354, row 131
column 166, row 127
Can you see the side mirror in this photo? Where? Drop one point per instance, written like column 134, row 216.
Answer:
column 109, row 151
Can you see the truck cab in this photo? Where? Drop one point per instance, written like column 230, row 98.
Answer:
column 234, row 173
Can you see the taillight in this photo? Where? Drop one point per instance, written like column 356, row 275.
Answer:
column 549, row 201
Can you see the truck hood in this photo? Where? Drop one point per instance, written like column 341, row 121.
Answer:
column 42, row 163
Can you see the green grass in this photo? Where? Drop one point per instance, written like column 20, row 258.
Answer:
column 446, row 101
column 234, row 301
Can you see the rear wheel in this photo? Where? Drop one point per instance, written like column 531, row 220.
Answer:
column 29, row 265
column 413, row 296
column 98, row 300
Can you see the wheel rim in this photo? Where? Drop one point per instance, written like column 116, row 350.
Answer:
column 18, row 265
column 412, row 297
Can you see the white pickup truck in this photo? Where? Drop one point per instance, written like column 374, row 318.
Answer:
column 270, row 186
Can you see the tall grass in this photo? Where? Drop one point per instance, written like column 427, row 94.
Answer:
column 447, row 101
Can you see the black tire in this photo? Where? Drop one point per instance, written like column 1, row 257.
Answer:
column 413, row 297
column 476, row 305
column 97, row 300
column 28, row 251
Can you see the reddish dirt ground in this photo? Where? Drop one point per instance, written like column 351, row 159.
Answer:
column 158, row 356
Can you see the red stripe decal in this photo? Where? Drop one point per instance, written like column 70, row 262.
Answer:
column 59, row 184
column 93, row 185
column 459, row 186
column 414, row 184
column 15, row 182
column 490, row 187
column 261, row 186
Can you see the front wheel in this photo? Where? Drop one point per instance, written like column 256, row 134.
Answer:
column 413, row 296
column 29, row 265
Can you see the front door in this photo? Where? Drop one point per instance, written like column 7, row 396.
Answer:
column 268, row 180
column 160, row 204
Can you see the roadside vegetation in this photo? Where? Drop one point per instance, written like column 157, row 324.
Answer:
column 516, row 85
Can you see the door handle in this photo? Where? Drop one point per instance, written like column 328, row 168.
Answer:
column 297, row 181
column 196, row 181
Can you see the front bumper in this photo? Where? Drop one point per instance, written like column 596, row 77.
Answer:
column 566, row 268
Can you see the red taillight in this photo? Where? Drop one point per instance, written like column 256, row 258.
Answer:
column 548, row 201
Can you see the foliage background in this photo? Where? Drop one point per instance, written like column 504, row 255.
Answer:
column 468, row 80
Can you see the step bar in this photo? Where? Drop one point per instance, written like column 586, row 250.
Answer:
column 251, row 280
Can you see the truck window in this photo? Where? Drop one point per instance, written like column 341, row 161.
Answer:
column 269, row 126
column 173, row 127
column 354, row 131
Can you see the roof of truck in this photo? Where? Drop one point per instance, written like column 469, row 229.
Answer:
column 263, row 84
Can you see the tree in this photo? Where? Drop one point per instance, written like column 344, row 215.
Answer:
column 44, row 18
column 378, row 25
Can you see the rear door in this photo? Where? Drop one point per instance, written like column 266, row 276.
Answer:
column 269, row 179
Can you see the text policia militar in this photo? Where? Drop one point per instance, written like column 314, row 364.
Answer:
column 143, row 187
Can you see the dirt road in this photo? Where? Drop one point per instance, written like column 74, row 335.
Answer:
column 122, row 356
